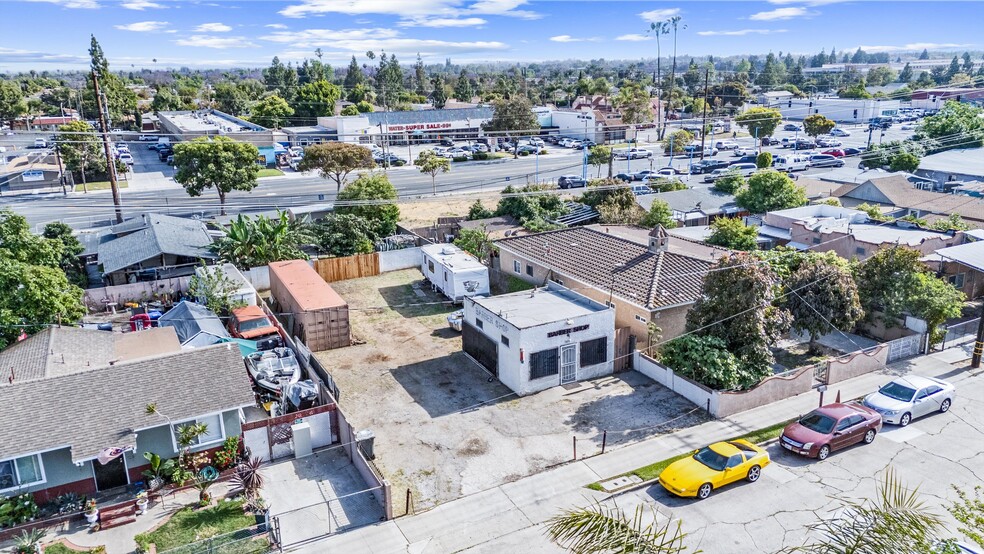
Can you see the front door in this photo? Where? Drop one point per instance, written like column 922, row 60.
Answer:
column 568, row 363
column 111, row 475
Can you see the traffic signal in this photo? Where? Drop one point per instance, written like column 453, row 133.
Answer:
column 855, row 114
column 790, row 103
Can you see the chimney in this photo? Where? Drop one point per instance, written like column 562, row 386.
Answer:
column 659, row 240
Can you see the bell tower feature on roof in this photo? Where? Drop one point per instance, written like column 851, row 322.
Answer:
column 659, row 240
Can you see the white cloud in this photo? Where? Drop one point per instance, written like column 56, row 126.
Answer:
column 81, row 4
column 358, row 41
column 439, row 22
column 221, row 43
column 416, row 9
column 655, row 16
column 781, row 13
column 569, row 38
column 143, row 26
column 140, row 5
column 13, row 55
column 811, row 3
column 634, row 37
column 740, row 32
column 276, row 26
column 213, row 28
column 914, row 46
column 326, row 37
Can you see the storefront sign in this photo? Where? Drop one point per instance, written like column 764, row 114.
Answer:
column 33, row 175
column 567, row 331
column 420, row 127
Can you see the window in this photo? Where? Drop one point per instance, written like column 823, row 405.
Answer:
column 609, row 304
column 504, row 340
column 640, row 318
column 479, row 324
column 430, row 265
column 529, row 269
column 544, row 363
column 214, row 431
column 21, row 472
column 516, row 266
column 859, row 251
column 557, row 280
column 594, row 352
column 932, row 389
column 956, row 280
column 735, row 460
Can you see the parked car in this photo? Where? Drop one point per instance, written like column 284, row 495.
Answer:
column 835, row 152
column 459, row 153
column 588, row 144
column 566, row 142
column 571, row 181
column 852, row 151
column 162, row 155
column 669, row 172
column 791, row 127
column 126, row 158
column 528, row 148
column 787, row 143
column 696, row 151
column 713, row 467
column 170, row 160
column 827, row 142
column 446, row 142
column 640, row 190
column 804, row 144
column 770, row 141
column 637, row 153
column 726, row 145
column 641, row 175
column 536, row 142
column 743, row 169
column 825, row 160
column 576, row 144
column 746, row 159
column 745, row 151
column 792, row 162
column 479, row 147
column 906, row 398
column 624, row 177
column 707, row 166
column 40, row 143
column 838, row 132
column 116, row 131
column 831, row 427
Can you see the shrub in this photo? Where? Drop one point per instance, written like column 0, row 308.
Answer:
column 460, row 159
column 705, row 360
column 481, row 156
column 524, row 153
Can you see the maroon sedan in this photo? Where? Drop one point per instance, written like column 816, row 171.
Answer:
column 836, row 152
column 830, row 428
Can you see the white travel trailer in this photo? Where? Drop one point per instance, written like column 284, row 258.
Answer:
column 453, row 271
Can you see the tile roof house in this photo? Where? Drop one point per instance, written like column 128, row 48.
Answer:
column 153, row 246
column 56, row 427
column 900, row 192
column 645, row 284
column 694, row 207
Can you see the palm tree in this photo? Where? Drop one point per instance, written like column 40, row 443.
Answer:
column 673, row 22
column 251, row 242
column 896, row 521
column 659, row 28
column 601, row 529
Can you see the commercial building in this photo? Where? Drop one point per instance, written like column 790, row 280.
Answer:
column 933, row 99
column 538, row 339
column 393, row 127
column 841, row 110
column 189, row 125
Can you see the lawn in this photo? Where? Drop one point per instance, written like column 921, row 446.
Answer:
column 190, row 525
column 269, row 172
column 100, row 185
column 652, row 471
column 60, row 548
column 797, row 355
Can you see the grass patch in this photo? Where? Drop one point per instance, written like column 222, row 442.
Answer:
column 269, row 172
column 652, row 471
column 797, row 356
column 189, row 525
column 60, row 548
column 100, row 185
column 515, row 284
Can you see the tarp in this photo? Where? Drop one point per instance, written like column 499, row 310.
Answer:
column 190, row 319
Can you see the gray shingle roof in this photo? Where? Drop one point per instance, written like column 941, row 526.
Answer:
column 428, row 116
column 189, row 319
column 152, row 235
column 103, row 407
column 55, row 351
column 710, row 202
column 650, row 280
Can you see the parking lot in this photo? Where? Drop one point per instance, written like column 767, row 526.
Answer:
column 443, row 429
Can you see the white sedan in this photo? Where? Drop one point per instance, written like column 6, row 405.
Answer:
column 906, row 398
column 838, row 132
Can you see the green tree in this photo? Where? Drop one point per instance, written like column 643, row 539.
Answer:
column 430, row 163
column 336, row 160
column 969, row 512
column 530, row 209
column 212, row 287
column 273, row 111
column 934, row 301
column 364, row 107
column 769, row 191
column 620, row 208
column 816, row 125
column 760, row 122
column 513, row 117
column 354, row 76
column 372, row 197
column 955, row 125
column 857, row 90
column 704, row 359
column 952, row 223
column 897, row 520
column 280, row 79
column 731, row 183
column 822, row 297
column 906, row 75
column 166, row 100
column 71, row 248
column 677, row 141
column 599, row 156
column 904, row 161
column 81, row 150
column 601, row 529
column 737, row 305
column 344, row 235
column 216, row 162
column 349, row 110
column 477, row 242
column 257, row 241
column 230, row 98
column 463, row 91
column 121, row 102
column 439, row 96
column 479, row 211
column 733, row 233
column 763, row 160
column 659, row 213
column 12, row 103
column 316, row 99
column 634, row 103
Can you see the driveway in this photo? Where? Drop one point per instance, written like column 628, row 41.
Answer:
column 443, row 428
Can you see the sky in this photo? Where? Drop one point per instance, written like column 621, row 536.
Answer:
column 54, row 34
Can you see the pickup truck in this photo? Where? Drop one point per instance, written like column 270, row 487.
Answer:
column 252, row 323
column 633, row 154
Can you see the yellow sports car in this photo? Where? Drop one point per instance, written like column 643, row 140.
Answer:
column 713, row 467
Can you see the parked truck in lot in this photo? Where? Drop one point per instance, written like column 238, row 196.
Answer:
column 252, row 323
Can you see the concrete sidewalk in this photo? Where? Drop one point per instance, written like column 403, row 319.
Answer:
column 468, row 523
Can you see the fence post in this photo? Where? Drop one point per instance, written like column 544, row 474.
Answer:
column 409, row 502
column 575, row 448
column 604, row 440
column 708, row 406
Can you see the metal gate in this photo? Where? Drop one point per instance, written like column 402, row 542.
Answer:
column 568, row 363
column 481, row 348
column 309, row 523
column 905, row 347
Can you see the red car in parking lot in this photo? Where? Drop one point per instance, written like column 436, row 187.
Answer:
column 835, row 152
column 831, row 427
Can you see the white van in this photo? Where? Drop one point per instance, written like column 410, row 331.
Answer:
column 792, row 163
column 163, row 141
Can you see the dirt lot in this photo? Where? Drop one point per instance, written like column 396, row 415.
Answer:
column 422, row 213
column 442, row 429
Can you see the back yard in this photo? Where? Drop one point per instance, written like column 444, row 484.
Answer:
column 443, row 429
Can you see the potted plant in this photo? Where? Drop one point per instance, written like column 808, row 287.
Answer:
column 142, row 502
column 92, row 512
column 160, row 471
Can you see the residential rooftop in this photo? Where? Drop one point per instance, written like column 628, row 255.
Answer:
column 966, row 161
column 970, row 254
column 152, row 235
column 685, row 244
column 531, row 308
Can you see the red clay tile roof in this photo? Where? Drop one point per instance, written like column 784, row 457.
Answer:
column 646, row 279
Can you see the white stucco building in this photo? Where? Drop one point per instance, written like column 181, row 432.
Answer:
column 535, row 340
column 841, row 110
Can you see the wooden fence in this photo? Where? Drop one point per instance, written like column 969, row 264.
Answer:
column 349, row 267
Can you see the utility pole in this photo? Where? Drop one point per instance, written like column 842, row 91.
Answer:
column 703, row 124
column 61, row 172
column 975, row 358
column 110, row 159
